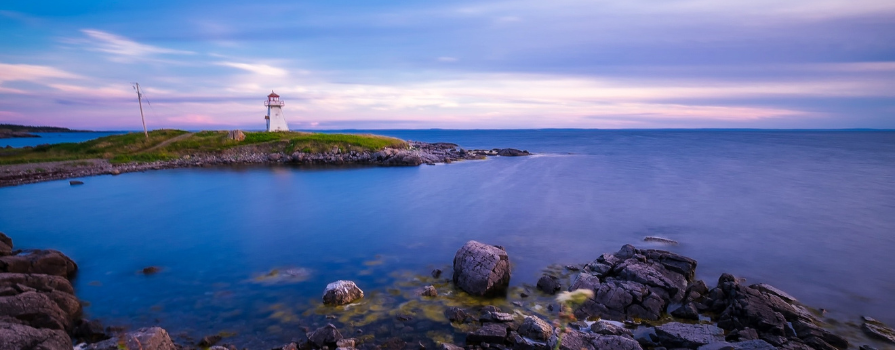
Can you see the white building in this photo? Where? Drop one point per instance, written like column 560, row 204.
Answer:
column 275, row 119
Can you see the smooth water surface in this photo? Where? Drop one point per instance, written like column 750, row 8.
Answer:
column 55, row 137
column 810, row 212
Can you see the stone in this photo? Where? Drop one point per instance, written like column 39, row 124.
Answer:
column 274, row 156
column 37, row 310
column 15, row 336
column 756, row 344
column 494, row 333
column 436, row 273
column 660, row 240
column 687, row 311
column 806, row 331
column 481, row 269
column 5, row 245
column 615, row 342
column 585, row 281
column 153, row 338
column 341, row 293
column 449, row 346
column 605, row 327
column 495, row 316
column 325, row 336
column 572, row 340
column 48, row 262
column 549, row 284
column 90, row 331
column 75, row 182
column 535, row 328
column 346, row 343
column 670, row 285
column 209, row 340
column 236, row 135
column 39, row 282
column 456, row 315
column 676, row 334
column 151, row 270
column 429, row 291
column 766, row 288
column 512, row 152
column 878, row 330
column 622, row 300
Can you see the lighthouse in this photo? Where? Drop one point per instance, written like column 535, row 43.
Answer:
column 274, row 117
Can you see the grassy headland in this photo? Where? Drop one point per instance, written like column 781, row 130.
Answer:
column 30, row 128
column 170, row 144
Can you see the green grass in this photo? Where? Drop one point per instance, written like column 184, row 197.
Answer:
column 134, row 147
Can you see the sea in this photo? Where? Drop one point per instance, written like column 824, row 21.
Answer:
column 246, row 251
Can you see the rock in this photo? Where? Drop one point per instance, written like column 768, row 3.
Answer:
column 39, row 282
column 274, row 156
column 482, row 269
column 585, row 281
column 115, row 172
column 683, row 335
column 494, row 333
column 75, row 182
column 512, row 152
column 5, row 245
column 15, row 336
column 878, row 330
column 811, row 334
column 457, row 315
column 341, row 293
column 605, row 327
column 37, row 310
column 209, row 341
column 325, row 336
column 449, row 346
column 236, row 135
column 154, row 338
column 687, row 311
column 670, row 285
column 151, row 270
column 436, row 273
column 429, row 291
column 659, row 240
column 572, row 340
column 615, row 342
column 866, row 347
column 549, row 284
column 766, row 288
column 48, row 262
column 756, row 344
column 90, row 331
column 346, row 343
column 622, row 300
column 495, row 316
column 535, row 328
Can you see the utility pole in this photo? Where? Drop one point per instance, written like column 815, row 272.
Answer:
column 140, row 101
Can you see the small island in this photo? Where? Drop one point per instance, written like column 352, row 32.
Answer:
column 168, row 148
column 8, row 131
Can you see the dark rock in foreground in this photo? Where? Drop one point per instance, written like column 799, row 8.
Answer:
column 154, row 338
column 688, row 335
column 48, row 262
column 481, row 269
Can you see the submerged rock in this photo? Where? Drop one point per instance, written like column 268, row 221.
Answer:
column 341, row 293
column 512, row 152
column 75, row 182
column 659, row 240
column 151, row 270
column 154, row 338
column 878, row 330
column 457, row 315
column 325, row 336
column 481, row 269
column 429, row 291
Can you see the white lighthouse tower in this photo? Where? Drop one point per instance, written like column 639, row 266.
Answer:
column 274, row 117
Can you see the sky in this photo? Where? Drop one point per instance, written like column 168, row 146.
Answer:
column 481, row 64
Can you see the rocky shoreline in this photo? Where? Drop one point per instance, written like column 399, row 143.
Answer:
column 416, row 154
column 633, row 299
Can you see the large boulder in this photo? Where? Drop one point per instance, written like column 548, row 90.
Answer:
column 482, row 269
column 549, row 284
column 341, row 293
column 5, row 245
column 17, row 336
column 36, row 309
column 49, row 262
column 154, row 338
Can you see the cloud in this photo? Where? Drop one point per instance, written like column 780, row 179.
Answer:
column 447, row 59
column 121, row 46
column 256, row 68
column 32, row 73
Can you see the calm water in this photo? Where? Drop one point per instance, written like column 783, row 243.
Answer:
column 54, row 137
column 810, row 212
